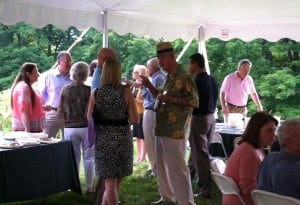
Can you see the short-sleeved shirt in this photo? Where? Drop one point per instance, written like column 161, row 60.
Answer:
column 171, row 118
column 237, row 90
column 22, row 101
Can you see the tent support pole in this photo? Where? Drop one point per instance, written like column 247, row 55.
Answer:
column 105, row 30
column 202, row 47
column 187, row 45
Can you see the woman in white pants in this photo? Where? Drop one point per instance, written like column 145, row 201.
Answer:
column 73, row 106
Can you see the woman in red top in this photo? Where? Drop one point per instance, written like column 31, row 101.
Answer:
column 27, row 110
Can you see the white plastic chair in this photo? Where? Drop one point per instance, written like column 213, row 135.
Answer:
column 218, row 165
column 227, row 185
column 235, row 141
column 261, row 197
column 217, row 138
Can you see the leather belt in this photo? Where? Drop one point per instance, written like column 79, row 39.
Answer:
column 236, row 106
column 149, row 108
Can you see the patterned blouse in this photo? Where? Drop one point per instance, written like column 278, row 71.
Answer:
column 73, row 105
column 171, row 119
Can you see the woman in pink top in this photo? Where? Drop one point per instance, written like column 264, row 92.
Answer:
column 27, row 109
column 244, row 163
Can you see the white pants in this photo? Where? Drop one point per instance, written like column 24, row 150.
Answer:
column 174, row 181
column 78, row 137
column 149, row 122
column 54, row 122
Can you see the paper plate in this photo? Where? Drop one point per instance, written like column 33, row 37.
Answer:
column 10, row 145
column 49, row 140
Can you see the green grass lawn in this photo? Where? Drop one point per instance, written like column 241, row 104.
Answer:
column 137, row 189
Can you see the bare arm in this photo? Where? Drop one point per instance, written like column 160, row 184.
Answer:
column 256, row 100
column 223, row 103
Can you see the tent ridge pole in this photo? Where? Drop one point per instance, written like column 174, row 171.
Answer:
column 105, row 30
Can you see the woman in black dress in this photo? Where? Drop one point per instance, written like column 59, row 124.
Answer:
column 113, row 109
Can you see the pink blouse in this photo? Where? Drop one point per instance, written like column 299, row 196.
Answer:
column 243, row 167
column 22, row 101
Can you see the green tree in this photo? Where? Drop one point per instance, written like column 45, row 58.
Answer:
column 276, row 65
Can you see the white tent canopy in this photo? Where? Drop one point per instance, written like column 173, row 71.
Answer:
column 171, row 19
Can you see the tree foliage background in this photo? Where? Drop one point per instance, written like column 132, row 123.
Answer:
column 276, row 65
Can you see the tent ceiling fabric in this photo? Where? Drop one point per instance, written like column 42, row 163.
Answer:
column 171, row 19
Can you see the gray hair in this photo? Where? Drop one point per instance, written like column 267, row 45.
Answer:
column 153, row 62
column 281, row 132
column 243, row 62
column 61, row 54
column 141, row 69
column 79, row 71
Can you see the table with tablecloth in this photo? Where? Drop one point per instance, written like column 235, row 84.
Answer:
column 37, row 171
column 228, row 134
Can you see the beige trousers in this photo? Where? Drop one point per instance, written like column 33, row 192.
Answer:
column 174, row 181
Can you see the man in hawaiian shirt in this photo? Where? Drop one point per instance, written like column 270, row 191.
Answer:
column 178, row 96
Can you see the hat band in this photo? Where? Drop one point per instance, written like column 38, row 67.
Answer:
column 164, row 50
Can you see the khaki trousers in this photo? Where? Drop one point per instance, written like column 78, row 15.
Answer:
column 173, row 174
column 149, row 137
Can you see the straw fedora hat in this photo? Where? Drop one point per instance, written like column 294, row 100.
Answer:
column 164, row 47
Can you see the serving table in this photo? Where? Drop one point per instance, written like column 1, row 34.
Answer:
column 37, row 171
column 228, row 134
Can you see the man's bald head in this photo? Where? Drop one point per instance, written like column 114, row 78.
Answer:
column 105, row 54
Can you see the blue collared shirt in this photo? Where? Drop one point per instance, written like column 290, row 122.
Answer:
column 50, row 85
column 279, row 173
column 157, row 79
column 96, row 78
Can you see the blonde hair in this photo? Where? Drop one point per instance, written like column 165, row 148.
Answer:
column 111, row 72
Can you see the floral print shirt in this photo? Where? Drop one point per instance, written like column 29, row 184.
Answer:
column 171, row 118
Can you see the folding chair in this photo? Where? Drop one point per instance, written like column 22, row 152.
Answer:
column 218, row 165
column 235, row 141
column 261, row 197
column 227, row 185
column 217, row 138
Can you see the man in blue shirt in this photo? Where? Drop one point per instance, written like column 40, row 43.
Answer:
column 202, row 124
column 50, row 85
column 157, row 78
column 279, row 172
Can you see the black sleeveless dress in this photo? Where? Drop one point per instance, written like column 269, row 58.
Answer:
column 113, row 143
